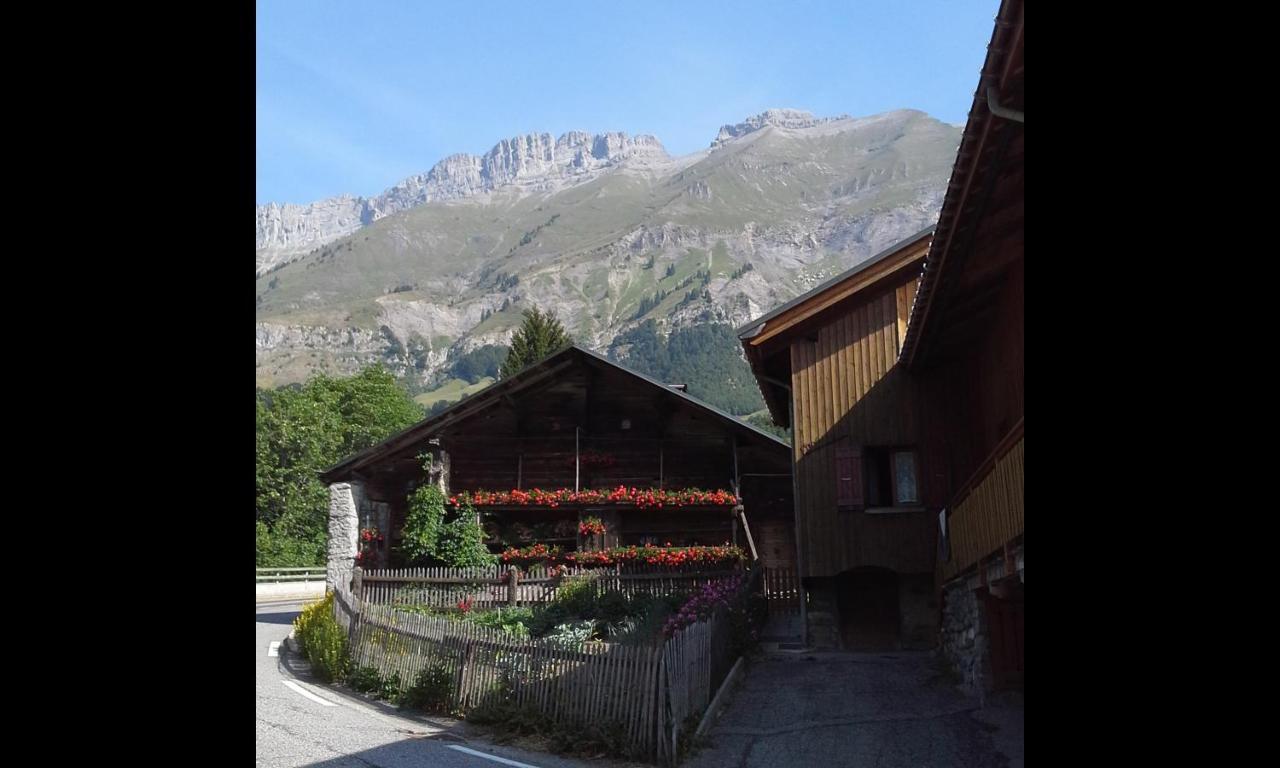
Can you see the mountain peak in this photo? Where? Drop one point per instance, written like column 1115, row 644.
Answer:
column 779, row 118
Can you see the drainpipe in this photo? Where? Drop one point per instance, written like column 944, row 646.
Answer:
column 999, row 111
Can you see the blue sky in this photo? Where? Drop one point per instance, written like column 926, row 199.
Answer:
column 353, row 97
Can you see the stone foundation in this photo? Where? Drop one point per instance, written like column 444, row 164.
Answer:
column 964, row 641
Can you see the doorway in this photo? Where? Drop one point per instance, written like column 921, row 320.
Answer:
column 867, row 599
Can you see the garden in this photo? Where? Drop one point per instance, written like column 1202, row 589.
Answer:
column 405, row 664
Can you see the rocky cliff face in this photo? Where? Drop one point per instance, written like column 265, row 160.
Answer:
column 288, row 229
column 605, row 230
column 791, row 119
column 536, row 161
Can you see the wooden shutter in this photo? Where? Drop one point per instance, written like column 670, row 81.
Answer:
column 849, row 477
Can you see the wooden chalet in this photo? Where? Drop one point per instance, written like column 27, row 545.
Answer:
column 827, row 367
column 903, row 380
column 576, row 421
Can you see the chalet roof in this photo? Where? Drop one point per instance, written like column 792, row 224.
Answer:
column 755, row 326
column 802, row 311
column 977, row 165
column 537, row 372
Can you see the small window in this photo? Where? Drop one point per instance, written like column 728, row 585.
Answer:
column 904, row 478
column 892, row 477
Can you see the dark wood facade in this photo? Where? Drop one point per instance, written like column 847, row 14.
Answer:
column 579, row 421
column 837, row 351
column 966, row 339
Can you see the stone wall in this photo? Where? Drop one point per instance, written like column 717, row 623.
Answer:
column 344, row 531
column 964, row 641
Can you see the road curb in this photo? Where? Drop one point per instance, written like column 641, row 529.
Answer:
column 721, row 695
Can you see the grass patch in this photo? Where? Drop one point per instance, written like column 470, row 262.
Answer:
column 452, row 390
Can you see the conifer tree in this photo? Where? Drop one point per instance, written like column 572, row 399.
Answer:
column 540, row 335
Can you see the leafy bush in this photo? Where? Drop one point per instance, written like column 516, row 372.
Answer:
column 423, row 523
column 432, row 536
column 573, row 634
column 432, row 690
column 390, row 687
column 513, row 621
column 365, row 679
column 461, row 542
column 322, row 641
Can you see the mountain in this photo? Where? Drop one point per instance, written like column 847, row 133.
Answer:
column 607, row 230
column 534, row 162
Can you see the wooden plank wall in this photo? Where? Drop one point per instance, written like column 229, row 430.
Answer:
column 847, row 388
column 990, row 516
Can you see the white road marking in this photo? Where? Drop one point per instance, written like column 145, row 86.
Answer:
column 274, row 648
column 494, row 758
column 308, row 694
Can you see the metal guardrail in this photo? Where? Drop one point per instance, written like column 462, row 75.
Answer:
column 274, row 575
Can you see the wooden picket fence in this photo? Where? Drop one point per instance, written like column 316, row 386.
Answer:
column 495, row 586
column 782, row 589
column 654, row 691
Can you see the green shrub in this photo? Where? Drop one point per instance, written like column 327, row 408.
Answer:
column 432, row 691
column 390, row 687
column 423, row 523
column 513, row 621
column 365, row 679
column 433, row 536
column 322, row 641
column 573, row 634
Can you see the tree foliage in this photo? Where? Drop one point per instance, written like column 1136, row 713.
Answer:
column 707, row 358
column 302, row 430
column 480, row 362
column 540, row 335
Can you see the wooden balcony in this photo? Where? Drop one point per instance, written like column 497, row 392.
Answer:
column 988, row 513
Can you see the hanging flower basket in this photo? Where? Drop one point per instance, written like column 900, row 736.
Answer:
column 591, row 526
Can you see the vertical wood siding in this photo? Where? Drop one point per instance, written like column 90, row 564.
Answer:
column 988, row 517
column 849, row 393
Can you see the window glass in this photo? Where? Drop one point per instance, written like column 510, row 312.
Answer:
column 904, row 478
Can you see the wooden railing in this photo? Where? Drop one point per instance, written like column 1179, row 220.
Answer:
column 989, row 513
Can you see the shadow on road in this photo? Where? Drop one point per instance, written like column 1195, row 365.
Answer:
column 284, row 617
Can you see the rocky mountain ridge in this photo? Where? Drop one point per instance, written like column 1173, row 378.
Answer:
column 536, row 160
column 606, row 230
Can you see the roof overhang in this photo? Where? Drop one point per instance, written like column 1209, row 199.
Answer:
column 541, row 372
column 766, row 339
column 983, row 147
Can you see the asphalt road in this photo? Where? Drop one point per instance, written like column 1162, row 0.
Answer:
column 854, row 710
column 301, row 722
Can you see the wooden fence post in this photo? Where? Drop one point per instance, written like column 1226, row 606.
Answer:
column 513, row 580
column 468, row 660
column 357, row 584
